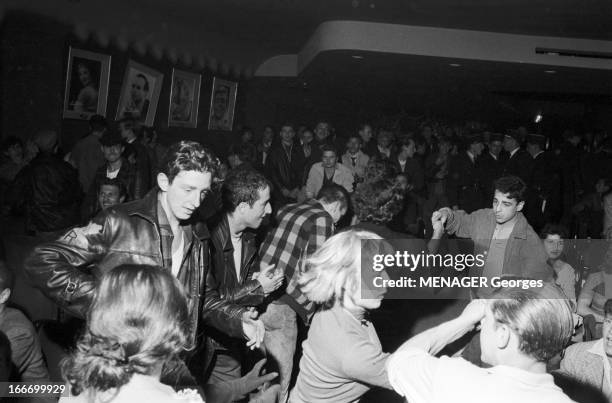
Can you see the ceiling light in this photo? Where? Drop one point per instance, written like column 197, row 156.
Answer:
column 550, row 71
column 357, row 57
column 454, row 65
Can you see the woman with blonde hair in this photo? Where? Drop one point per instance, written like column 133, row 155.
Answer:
column 137, row 325
column 342, row 356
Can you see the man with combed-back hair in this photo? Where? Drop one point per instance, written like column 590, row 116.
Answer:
column 520, row 331
column 154, row 231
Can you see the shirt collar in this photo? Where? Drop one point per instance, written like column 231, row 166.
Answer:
column 514, row 151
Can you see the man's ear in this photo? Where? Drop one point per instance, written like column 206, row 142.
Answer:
column 502, row 336
column 520, row 206
column 163, row 182
column 5, row 295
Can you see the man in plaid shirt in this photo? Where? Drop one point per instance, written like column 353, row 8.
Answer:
column 302, row 229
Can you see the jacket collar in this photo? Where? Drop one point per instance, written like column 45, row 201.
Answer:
column 147, row 209
column 520, row 227
column 222, row 238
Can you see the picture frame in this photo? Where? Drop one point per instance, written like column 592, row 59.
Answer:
column 140, row 92
column 222, row 105
column 87, row 79
column 184, row 99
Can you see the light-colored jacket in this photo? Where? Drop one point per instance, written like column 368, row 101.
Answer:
column 582, row 364
column 343, row 177
column 360, row 163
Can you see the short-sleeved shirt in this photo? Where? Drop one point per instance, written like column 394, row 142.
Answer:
column 422, row 378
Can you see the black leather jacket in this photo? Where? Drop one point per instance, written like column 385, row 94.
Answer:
column 49, row 189
column 244, row 291
column 67, row 269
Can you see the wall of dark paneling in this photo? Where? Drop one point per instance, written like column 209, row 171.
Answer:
column 34, row 53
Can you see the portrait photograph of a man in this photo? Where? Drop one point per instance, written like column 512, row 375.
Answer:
column 222, row 104
column 86, row 84
column 184, row 99
column 140, row 93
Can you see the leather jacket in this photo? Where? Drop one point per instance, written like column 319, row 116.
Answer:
column 244, row 291
column 282, row 172
column 49, row 189
column 68, row 269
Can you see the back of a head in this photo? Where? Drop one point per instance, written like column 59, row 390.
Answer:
column 138, row 321
column 46, row 140
column 541, row 318
column 98, row 123
column 335, row 267
column 377, row 201
column 334, row 193
column 188, row 156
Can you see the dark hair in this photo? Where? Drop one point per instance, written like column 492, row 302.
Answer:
column 608, row 308
column 188, row 156
column 362, row 126
column 378, row 201
column 242, row 186
column 405, row 142
column 6, row 276
column 114, row 182
column 511, row 185
column 356, row 137
column 554, row 229
column 138, row 320
column 146, row 80
column 334, row 193
column 327, row 148
column 245, row 151
column 11, row 141
column 98, row 123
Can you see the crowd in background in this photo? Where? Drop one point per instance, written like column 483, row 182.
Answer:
column 288, row 214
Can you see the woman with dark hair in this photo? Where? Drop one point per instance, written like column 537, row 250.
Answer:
column 553, row 237
column 137, row 325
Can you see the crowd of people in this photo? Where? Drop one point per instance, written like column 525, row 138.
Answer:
column 193, row 275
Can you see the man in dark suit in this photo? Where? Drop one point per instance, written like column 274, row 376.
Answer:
column 519, row 163
column 464, row 187
column 543, row 186
column 491, row 165
column 285, row 168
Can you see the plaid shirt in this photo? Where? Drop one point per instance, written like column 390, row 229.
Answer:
column 302, row 229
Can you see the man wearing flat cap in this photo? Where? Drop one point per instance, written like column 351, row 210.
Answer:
column 464, row 187
column 519, row 163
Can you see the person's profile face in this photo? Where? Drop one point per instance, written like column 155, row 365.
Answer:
column 220, row 102
column 505, row 208
column 138, row 89
column 108, row 196
column 408, row 150
column 84, row 75
column 329, row 159
column 254, row 215
column 553, row 245
column 186, row 192
column 488, row 328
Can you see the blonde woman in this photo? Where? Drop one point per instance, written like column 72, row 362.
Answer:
column 342, row 356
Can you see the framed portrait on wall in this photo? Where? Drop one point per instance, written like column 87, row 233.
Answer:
column 87, row 79
column 222, row 104
column 184, row 99
column 139, row 93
